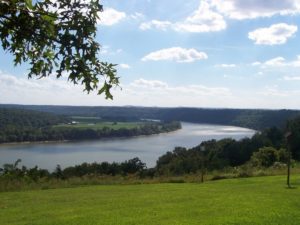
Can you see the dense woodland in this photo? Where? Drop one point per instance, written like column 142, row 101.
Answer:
column 19, row 125
column 257, row 119
column 28, row 118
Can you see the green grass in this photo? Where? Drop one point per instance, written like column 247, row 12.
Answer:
column 85, row 118
column 101, row 125
column 260, row 200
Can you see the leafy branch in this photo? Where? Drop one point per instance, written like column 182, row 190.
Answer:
column 56, row 37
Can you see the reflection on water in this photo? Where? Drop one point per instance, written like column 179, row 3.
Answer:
column 147, row 148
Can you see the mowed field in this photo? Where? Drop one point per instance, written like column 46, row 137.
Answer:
column 262, row 200
column 101, row 125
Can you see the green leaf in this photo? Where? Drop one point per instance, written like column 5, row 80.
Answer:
column 28, row 4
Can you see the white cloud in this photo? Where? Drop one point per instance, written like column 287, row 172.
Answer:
column 260, row 73
column 149, row 84
column 201, row 90
column 204, row 19
column 209, row 91
column 107, row 50
column 155, row 92
column 110, row 17
column 176, row 54
column 137, row 16
column 251, row 9
column 21, row 90
column 256, row 63
column 291, row 78
column 161, row 25
column 295, row 63
column 276, row 98
column 209, row 17
column 274, row 91
column 278, row 62
column 142, row 92
column 226, row 65
column 274, row 35
column 104, row 49
column 124, row 66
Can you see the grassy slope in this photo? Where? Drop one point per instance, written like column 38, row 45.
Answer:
column 263, row 200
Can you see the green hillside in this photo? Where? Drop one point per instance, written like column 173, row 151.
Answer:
column 262, row 200
column 24, row 125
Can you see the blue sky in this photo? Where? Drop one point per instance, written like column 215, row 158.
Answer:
column 196, row 53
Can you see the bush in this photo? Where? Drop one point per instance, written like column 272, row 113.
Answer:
column 267, row 156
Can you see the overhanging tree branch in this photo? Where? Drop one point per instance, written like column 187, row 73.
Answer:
column 54, row 43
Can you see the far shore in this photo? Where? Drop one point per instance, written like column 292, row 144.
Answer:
column 33, row 142
column 66, row 141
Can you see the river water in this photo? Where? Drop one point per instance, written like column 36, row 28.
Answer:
column 147, row 148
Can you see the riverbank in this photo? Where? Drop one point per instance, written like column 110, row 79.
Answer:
column 82, row 131
column 78, row 141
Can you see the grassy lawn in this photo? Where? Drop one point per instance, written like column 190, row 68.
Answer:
column 262, row 200
column 100, row 125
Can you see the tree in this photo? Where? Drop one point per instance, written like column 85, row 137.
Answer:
column 133, row 166
column 267, row 156
column 293, row 127
column 57, row 37
column 58, row 173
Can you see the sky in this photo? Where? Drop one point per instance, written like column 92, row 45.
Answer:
column 196, row 53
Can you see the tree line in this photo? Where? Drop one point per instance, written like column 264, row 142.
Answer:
column 14, row 171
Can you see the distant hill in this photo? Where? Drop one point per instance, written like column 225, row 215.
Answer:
column 20, row 118
column 17, row 125
column 258, row 119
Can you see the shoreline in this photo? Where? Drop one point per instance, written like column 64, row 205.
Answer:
column 33, row 142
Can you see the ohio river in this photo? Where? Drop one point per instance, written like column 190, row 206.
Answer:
column 147, row 148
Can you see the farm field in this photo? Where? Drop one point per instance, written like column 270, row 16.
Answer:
column 100, row 125
column 260, row 200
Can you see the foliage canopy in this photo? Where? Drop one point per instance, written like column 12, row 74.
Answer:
column 57, row 37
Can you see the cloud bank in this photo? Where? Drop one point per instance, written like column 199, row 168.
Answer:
column 204, row 19
column 177, row 54
column 110, row 17
column 276, row 34
column 252, row 9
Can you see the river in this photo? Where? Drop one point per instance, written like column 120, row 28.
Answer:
column 147, row 148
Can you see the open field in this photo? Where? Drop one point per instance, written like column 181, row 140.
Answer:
column 101, row 125
column 260, row 200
